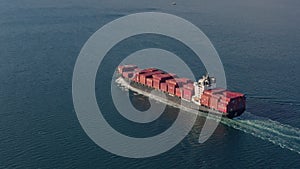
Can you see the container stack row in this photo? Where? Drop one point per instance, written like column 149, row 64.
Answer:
column 166, row 82
column 223, row 100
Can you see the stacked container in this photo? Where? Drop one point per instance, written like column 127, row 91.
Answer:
column 176, row 83
column 178, row 92
column 223, row 100
column 164, row 87
column 188, row 91
column 138, row 73
column 142, row 77
column 160, row 78
column 214, row 91
column 205, row 100
column 171, row 88
column 149, row 82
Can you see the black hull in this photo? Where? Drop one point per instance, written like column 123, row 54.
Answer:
column 185, row 103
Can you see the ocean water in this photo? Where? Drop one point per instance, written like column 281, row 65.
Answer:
column 258, row 43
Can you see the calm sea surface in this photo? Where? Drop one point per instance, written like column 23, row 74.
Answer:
column 258, row 43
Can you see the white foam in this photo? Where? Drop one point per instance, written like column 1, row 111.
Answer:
column 279, row 134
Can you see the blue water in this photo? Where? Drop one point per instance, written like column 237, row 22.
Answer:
column 258, row 42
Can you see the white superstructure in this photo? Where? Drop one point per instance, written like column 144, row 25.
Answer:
column 205, row 83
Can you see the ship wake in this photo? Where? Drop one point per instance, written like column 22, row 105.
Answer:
column 277, row 133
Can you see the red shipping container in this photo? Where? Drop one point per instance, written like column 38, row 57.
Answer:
column 225, row 99
column 177, row 82
column 156, row 83
column 145, row 75
column 213, row 103
column 207, row 92
column 142, row 77
column 231, row 94
column 137, row 77
column 217, row 96
column 187, row 94
column 222, row 109
column 157, row 76
column 178, row 92
column 189, row 86
column 180, row 81
column 149, row 74
column 213, row 91
column 164, row 87
column 156, row 86
column 142, row 72
column 221, row 105
column 160, row 76
column 205, row 100
column 149, row 82
column 171, row 81
column 155, row 80
column 171, row 89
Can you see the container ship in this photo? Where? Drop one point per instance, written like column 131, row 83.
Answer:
column 202, row 95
